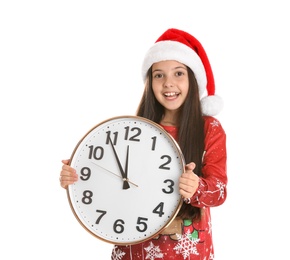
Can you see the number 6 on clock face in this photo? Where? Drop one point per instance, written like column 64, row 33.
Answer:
column 129, row 169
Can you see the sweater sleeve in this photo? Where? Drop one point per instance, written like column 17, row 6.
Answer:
column 212, row 189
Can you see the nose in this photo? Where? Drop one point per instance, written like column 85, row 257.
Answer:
column 169, row 83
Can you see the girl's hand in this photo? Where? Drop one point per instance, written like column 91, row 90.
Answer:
column 188, row 181
column 67, row 175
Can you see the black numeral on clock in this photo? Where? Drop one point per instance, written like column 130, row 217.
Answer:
column 142, row 224
column 154, row 138
column 85, row 173
column 87, row 197
column 96, row 152
column 114, row 140
column 159, row 209
column 103, row 213
column 164, row 165
column 137, row 131
column 119, row 226
column 170, row 186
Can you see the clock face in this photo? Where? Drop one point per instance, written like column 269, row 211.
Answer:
column 129, row 169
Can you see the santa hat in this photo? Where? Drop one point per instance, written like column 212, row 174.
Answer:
column 178, row 45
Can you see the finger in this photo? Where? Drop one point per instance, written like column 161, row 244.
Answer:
column 186, row 179
column 64, row 184
column 188, row 184
column 66, row 180
column 66, row 161
column 68, row 174
column 185, row 194
column 67, row 168
column 190, row 167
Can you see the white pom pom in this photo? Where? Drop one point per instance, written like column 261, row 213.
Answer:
column 211, row 105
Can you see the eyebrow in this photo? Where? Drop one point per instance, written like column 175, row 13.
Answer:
column 175, row 68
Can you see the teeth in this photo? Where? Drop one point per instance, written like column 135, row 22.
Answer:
column 171, row 94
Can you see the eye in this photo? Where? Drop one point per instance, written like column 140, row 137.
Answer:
column 158, row 75
column 179, row 73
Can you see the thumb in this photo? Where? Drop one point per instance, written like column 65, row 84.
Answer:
column 190, row 167
column 66, row 162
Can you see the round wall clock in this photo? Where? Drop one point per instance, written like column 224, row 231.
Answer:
column 127, row 191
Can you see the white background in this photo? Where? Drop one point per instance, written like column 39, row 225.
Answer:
column 67, row 65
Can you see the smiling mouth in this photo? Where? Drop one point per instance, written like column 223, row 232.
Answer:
column 171, row 94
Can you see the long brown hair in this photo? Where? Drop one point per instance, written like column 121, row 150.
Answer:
column 190, row 133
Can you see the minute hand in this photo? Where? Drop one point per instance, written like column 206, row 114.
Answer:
column 125, row 182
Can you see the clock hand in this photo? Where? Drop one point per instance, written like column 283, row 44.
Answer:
column 125, row 181
column 126, row 166
column 114, row 173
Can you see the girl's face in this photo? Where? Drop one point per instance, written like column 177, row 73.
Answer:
column 170, row 84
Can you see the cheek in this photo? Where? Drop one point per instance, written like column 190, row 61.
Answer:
column 185, row 91
column 155, row 89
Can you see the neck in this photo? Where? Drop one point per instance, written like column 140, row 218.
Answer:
column 169, row 119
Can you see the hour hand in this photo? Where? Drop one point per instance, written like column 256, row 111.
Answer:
column 125, row 182
column 126, row 166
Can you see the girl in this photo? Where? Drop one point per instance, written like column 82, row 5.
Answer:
column 176, row 72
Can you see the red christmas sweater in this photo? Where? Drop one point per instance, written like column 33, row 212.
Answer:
column 185, row 239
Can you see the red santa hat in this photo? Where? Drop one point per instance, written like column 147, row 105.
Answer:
column 178, row 45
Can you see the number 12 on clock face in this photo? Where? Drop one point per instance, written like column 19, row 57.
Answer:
column 128, row 169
